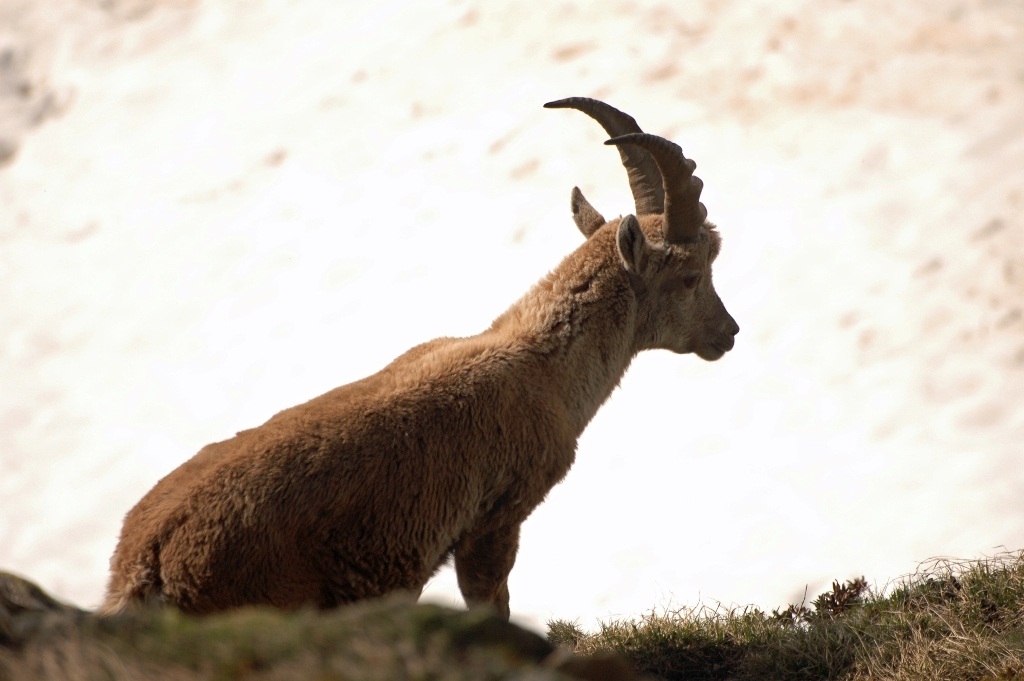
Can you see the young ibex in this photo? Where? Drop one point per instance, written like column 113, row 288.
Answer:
column 371, row 487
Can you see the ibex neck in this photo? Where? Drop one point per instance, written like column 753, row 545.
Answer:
column 579, row 325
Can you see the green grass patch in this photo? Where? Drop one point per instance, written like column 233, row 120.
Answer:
column 952, row 620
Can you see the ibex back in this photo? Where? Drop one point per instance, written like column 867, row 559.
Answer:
column 371, row 487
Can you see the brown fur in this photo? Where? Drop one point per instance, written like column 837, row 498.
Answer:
column 371, row 487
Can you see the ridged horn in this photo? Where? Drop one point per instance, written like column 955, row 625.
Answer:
column 684, row 213
column 644, row 177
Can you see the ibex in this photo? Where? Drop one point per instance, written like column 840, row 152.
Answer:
column 373, row 486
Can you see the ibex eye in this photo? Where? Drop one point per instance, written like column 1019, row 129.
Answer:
column 691, row 281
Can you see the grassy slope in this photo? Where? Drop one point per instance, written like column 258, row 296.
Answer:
column 951, row 620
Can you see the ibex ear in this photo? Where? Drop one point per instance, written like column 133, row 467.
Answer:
column 583, row 214
column 633, row 246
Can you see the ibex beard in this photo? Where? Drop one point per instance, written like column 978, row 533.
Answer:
column 371, row 487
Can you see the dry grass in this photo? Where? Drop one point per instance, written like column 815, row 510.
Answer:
column 952, row 620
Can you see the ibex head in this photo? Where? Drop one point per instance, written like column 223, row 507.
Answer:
column 668, row 249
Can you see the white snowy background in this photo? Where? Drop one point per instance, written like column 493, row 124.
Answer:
column 213, row 210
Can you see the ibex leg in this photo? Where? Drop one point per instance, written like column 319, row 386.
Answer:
column 482, row 564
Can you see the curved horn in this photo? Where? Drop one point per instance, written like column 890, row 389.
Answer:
column 644, row 176
column 684, row 213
